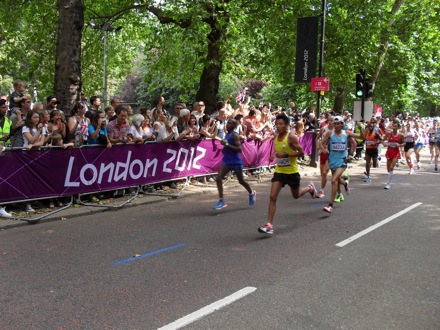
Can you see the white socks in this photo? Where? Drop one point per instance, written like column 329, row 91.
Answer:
column 390, row 176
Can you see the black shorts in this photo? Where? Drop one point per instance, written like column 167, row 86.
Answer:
column 408, row 145
column 373, row 153
column 293, row 180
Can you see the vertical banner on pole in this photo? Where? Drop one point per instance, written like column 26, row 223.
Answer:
column 306, row 49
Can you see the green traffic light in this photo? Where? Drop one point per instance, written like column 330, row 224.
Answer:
column 359, row 93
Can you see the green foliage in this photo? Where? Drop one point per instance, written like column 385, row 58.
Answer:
column 146, row 58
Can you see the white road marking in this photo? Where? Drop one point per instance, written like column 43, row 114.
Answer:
column 184, row 321
column 377, row 225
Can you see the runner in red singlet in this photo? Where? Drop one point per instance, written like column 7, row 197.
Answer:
column 394, row 140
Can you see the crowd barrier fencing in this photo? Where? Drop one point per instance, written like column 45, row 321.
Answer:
column 27, row 175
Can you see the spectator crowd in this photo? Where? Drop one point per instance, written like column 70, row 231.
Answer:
column 29, row 125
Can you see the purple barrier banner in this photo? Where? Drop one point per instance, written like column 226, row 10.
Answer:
column 58, row 172
column 306, row 142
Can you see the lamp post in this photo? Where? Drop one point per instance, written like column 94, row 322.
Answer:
column 106, row 28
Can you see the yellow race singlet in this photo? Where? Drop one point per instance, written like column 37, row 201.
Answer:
column 285, row 165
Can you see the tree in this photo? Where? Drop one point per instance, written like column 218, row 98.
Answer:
column 67, row 81
column 194, row 49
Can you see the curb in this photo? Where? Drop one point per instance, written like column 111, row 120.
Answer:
column 77, row 210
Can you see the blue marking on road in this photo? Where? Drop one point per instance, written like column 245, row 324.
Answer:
column 322, row 202
column 149, row 254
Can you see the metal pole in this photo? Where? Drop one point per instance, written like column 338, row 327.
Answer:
column 104, row 83
column 314, row 157
column 321, row 60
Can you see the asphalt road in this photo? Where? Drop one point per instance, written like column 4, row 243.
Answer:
column 149, row 266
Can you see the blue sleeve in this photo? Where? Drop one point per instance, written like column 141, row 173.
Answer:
column 91, row 129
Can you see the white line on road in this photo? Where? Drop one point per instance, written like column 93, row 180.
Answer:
column 377, row 225
column 184, row 321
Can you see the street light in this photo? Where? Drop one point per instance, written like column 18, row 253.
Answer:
column 106, row 28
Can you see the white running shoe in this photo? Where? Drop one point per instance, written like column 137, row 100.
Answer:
column 387, row 186
column 4, row 214
column 328, row 209
column 312, row 190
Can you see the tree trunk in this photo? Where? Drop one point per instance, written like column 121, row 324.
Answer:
column 68, row 58
column 338, row 104
column 210, row 78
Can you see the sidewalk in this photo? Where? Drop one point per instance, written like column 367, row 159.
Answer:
column 74, row 209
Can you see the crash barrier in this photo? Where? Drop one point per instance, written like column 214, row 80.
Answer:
column 57, row 172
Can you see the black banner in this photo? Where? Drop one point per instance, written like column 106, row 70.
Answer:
column 306, row 49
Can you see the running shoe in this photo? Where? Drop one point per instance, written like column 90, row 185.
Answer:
column 436, row 168
column 347, row 187
column 418, row 165
column 328, row 209
column 28, row 208
column 266, row 229
column 339, row 198
column 346, row 175
column 411, row 170
column 320, row 194
column 252, row 198
column 402, row 162
column 397, row 164
column 313, row 191
column 367, row 179
column 387, row 186
column 221, row 204
column 4, row 214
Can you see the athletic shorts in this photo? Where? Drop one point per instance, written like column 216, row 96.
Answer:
column 418, row 146
column 293, row 180
column 408, row 145
column 432, row 143
column 392, row 153
column 373, row 153
column 234, row 167
column 323, row 158
column 437, row 144
column 341, row 163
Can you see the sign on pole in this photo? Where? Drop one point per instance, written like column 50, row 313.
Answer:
column 320, row 84
column 306, row 48
column 368, row 110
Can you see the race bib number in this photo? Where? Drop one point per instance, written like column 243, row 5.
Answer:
column 409, row 139
column 283, row 162
column 392, row 144
column 370, row 143
column 339, row 146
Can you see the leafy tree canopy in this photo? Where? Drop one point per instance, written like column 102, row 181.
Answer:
column 164, row 48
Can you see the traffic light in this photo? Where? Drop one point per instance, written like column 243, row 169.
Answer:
column 368, row 89
column 360, row 83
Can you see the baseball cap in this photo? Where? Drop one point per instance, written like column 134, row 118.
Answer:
column 338, row 119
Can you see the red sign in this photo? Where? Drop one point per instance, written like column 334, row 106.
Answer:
column 320, row 84
column 378, row 111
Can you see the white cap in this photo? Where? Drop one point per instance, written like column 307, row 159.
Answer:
column 338, row 119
